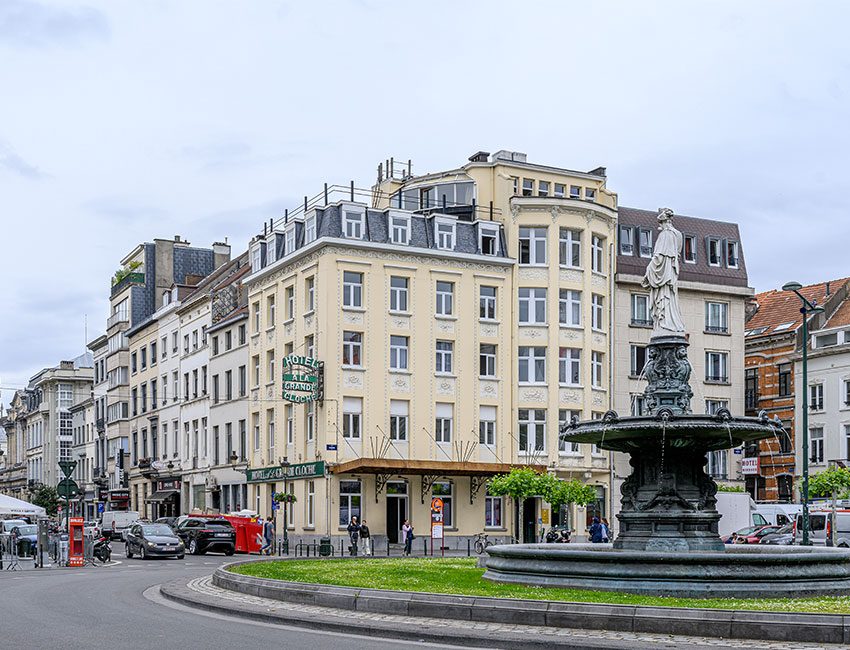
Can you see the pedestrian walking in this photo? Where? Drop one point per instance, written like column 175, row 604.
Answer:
column 606, row 532
column 407, row 534
column 365, row 539
column 596, row 531
column 354, row 535
column 268, row 535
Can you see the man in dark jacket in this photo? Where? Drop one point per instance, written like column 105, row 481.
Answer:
column 353, row 534
column 365, row 539
column 596, row 531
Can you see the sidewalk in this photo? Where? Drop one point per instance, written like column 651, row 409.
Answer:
column 200, row 593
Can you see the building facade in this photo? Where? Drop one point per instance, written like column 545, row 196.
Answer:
column 713, row 295
column 13, row 475
column 773, row 341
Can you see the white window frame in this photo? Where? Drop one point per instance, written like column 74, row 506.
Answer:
column 533, row 300
column 353, row 223
column 445, row 234
column 532, row 364
column 597, row 257
column 597, row 312
column 443, row 423
column 399, row 352
column 634, row 371
column 487, row 425
column 289, row 239
column 289, row 293
column 399, row 420
column 722, row 365
column 400, row 295
column 693, row 240
column 352, row 418
column 487, row 355
column 352, row 349
column 493, row 511
column 597, row 365
column 718, row 254
column 487, row 304
column 569, row 248
column 644, row 242
column 444, row 298
column 311, row 293
column 816, row 450
column 537, row 245
column 399, row 228
column 569, row 307
column 816, row 399
column 533, row 422
column 444, row 357
column 569, row 366
column 310, row 228
column 352, row 291
column 488, row 231
column 543, row 188
column 716, row 317
column 731, row 246
column 634, row 300
column 565, row 448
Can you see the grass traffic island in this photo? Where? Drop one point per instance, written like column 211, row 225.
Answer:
column 461, row 577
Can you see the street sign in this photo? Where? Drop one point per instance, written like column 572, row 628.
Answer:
column 436, row 522
column 100, row 505
column 67, row 466
column 67, row 488
column 275, row 506
column 330, row 447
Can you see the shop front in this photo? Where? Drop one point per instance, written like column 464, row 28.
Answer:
column 118, row 499
column 165, row 500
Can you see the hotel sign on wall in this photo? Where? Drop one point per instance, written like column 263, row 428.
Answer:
column 303, row 379
column 316, row 469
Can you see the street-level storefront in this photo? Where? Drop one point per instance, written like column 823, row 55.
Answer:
column 118, row 499
column 384, row 493
column 165, row 500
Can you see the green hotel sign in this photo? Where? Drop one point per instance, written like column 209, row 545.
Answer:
column 293, row 472
column 303, row 379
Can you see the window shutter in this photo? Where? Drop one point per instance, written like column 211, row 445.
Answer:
column 708, row 250
column 724, row 255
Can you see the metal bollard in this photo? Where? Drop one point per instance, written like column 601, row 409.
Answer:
column 468, row 549
column 388, row 546
column 425, row 546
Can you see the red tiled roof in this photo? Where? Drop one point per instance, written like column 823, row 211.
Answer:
column 777, row 307
column 840, row 317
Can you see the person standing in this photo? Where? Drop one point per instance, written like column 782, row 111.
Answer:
column 365, row 539
column 353, row 534
column 407, row 535
column 268, row 534
column 261, row 535
column 596, row 531
column 606, row 532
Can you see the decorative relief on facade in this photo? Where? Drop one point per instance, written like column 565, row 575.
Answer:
column 488, row 329
column 308, row 322
column 598, row 339
column 353, row 317
column 598, row 399
column 598, row 281
column 255, row 395
column 515, row 210
column 570, row 275
column 532, row 395
column 445, row 386
column 446, row 326
column 288, row 329
column 569, row 396
column 540, row 274
column 270, row 337
column 400, row 322
column 352, row 379
column 569, row 335
column 400, row 384
column 532, row 332
column 269, row 392
column 488, row 389
column 556, row 212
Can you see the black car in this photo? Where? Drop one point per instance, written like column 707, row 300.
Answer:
column 153, row 540
column 200, row 535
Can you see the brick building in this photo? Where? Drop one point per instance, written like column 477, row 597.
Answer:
column 773, row 341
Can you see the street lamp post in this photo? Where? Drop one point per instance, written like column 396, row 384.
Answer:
column 807, row 309
column 284, row 464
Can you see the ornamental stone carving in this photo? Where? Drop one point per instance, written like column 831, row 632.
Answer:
column 446, row 326
column 539, row 274
column 446, row 386
column 353, row 317
column 352, row 379
column 598, row 399
column 400, row 322
column 515, row 210
column 488, row 329
column 400, row 384
column 569, row 396
column 598, row 339
column 532, row 395
column 598, row 281
column 308, row 322
column 288, row 329
column 532, row 332
column 570, row 335
column 488, row 389
column 269, row 392
column 570, row 275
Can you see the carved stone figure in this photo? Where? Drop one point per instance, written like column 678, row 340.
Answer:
column 662, row 276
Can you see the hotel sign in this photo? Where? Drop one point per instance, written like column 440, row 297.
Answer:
column 303, row 379
column 750, row 466
column 294, row 472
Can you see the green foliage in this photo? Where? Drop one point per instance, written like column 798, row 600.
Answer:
column 284, row 497
column 47, row 498
column 120, row 274
column 461, row 576
column 836, row 479
column 523, row 482
column 729, row 488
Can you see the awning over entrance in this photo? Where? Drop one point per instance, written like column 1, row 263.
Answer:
column 430, row 470
column 160, row 496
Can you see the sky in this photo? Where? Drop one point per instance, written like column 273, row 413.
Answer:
column 121, row 121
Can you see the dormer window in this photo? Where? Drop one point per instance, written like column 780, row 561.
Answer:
column 400, row 229
column 690, row 249
column 352, row 224
column 645, row 242
column 575, row 192
column 589, row 194
column 310, row 229
column 270, row 250
column 627, row 240
column 488, row 240
column 732, row 254
column 289, row 240
column 713, row 245
column 257, row 257
column 444, row 235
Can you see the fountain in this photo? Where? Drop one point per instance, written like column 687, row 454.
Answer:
column 668, row 542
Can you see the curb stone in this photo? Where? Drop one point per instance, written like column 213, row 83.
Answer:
column 719, row 623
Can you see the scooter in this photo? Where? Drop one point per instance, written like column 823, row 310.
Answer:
column 102, row 550
column 558, row 535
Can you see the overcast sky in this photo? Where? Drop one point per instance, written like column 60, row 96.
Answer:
column 121, row 121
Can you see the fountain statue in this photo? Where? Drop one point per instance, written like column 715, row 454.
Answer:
column 668, row 541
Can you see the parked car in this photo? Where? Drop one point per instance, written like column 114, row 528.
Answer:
column 202, row 534
column 756, row 535
column 91, row 529
column 743, row 532
column 121, row 520
column 820, row 527
column 6, row 525
column 27, row 539
column 152, row 540
column 783, row 537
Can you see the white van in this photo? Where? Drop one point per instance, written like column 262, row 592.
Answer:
column 820, row 525
column 779, row 514
column 121, row 518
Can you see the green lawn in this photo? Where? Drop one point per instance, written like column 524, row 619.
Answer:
column 460, row 576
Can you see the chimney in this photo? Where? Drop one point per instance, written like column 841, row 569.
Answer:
column 221, row 253
column 827, row 288
column 177, row 238
column 480, row 156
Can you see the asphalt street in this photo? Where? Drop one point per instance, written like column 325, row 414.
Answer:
column 114, row 607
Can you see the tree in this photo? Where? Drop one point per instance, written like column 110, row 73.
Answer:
column 835, row 480
column 47, row 498
column 524, row 482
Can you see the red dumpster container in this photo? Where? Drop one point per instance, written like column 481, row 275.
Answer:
column 247, row 529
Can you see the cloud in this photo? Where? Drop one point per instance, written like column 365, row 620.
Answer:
column 229, row 155
column 12, row 162
column 30, row 24
column 124, row 209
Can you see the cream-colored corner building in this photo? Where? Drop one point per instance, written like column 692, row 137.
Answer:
column 713, row 293
column 461, row 317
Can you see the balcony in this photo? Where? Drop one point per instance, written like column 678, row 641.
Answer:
column 127, row 280
column 115, row 319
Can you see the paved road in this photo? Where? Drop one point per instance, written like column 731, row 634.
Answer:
column 106, row 607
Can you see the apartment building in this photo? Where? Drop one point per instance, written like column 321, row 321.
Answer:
column 97, row 450
column 49, row 431
column 713, row 295
column 144, row 282
column 773, row 344
column 445, row 355
column 13, row 475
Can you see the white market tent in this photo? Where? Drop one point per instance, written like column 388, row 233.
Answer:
column 11, row 507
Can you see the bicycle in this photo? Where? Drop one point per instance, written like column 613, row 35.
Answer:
column 482, row 542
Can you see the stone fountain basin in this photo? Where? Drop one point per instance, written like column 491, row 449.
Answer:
column 739, row 571
column 680, row 431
